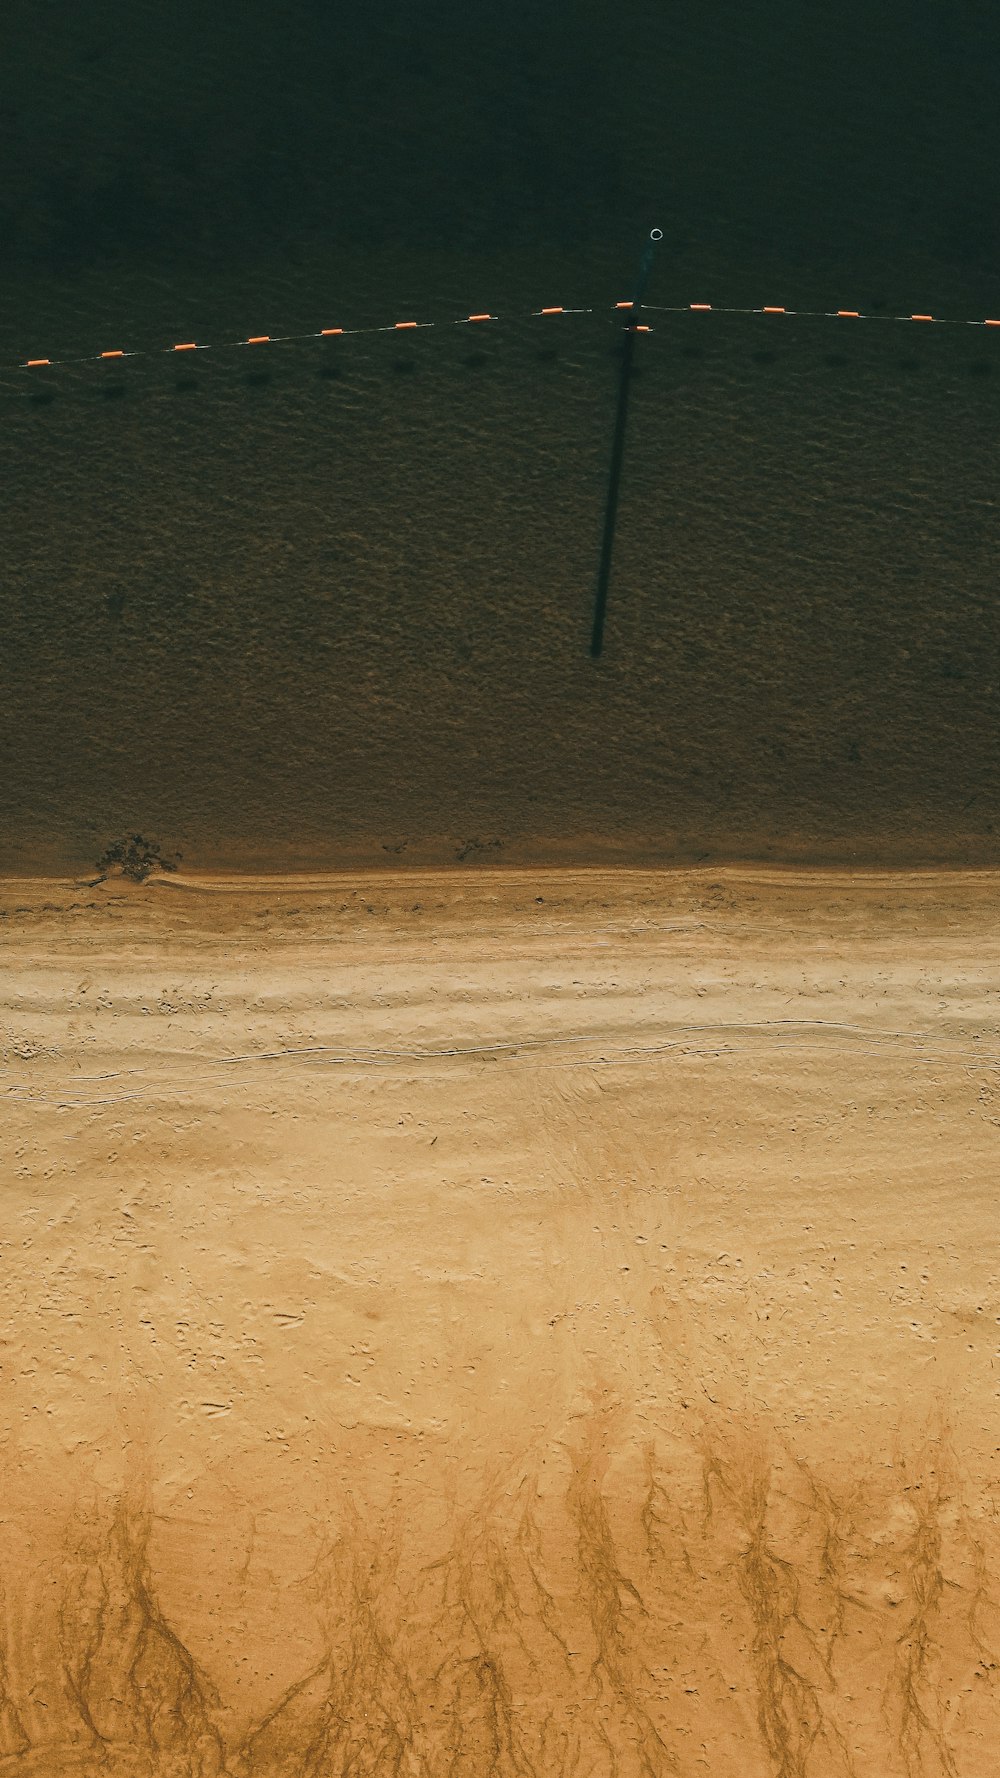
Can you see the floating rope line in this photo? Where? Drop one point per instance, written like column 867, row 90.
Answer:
column 271, row 339
column 814, row 314
column 256, row 340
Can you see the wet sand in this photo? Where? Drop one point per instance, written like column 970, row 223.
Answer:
column 537, row 1322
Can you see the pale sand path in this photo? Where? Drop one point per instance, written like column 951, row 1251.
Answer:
column 501, row 1323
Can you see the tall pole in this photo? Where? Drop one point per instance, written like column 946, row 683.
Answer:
column 618, row 447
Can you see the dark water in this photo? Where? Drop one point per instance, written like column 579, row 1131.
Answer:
column 300, row 609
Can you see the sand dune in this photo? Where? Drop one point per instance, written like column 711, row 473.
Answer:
column 501, row 1323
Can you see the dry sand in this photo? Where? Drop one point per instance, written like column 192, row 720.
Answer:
column 501, row 1323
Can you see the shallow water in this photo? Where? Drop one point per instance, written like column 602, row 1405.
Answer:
column 296, row 609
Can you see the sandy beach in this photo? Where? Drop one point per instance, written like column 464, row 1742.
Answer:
column 501, row 1322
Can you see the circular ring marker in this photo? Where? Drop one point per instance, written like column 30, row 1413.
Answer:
column 656, row 234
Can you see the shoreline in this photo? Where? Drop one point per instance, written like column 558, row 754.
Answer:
column 320, row 881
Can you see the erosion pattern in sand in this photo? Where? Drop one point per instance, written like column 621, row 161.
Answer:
column 501, row 1324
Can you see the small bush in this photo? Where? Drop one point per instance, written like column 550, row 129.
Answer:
column 137, row 858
